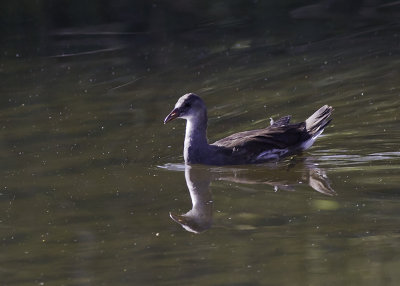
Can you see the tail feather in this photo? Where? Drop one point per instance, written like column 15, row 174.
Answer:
column 316, row 123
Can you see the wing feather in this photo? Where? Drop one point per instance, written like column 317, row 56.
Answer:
column 253, row 142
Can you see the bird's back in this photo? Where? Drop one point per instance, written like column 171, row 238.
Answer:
column 275, row 141
column 248, row 145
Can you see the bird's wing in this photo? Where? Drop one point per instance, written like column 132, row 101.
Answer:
column 281, row 121
column 254, row 142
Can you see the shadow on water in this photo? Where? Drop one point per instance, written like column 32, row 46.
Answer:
column 298, row 172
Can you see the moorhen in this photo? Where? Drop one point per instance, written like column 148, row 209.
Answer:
column 276, row 141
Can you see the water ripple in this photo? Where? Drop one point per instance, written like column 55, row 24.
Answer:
column 352, row 159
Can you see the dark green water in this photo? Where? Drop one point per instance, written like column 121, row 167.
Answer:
column 89, row 172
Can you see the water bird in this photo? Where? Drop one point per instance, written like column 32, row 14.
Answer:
column 276, row 141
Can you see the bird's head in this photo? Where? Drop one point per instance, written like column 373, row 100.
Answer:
column 188, row 106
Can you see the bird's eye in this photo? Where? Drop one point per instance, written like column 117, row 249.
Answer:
column 187, row 105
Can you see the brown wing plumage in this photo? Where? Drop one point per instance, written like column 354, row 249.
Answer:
column 281, row 139
column 254, row 142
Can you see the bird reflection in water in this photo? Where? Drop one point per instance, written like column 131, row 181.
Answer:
column 199, row 218
column 299, row 172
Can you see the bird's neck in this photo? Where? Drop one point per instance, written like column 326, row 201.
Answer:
column 196, row 144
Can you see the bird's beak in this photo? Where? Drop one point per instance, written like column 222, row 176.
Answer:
column 173, row 114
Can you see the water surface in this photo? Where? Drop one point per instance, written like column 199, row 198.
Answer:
column 90, row 175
